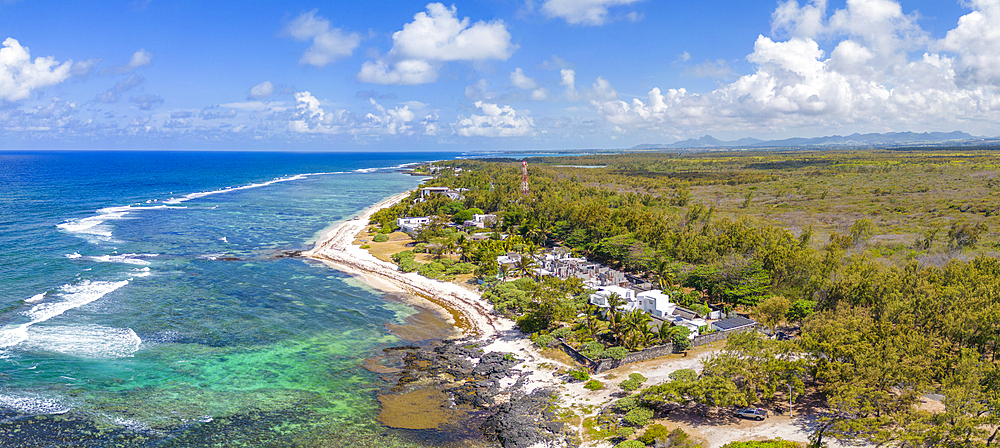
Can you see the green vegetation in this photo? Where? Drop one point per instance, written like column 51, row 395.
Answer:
column 884, row 260
column 659, row 434
column 633, row 383
column 580, row 374
column 776, row 443
column 593, row 385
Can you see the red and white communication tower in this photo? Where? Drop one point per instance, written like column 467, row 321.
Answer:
column 524, row 177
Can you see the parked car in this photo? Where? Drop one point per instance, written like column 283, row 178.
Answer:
column 752, row 413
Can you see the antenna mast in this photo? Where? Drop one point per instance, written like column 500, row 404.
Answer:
column 524, row 177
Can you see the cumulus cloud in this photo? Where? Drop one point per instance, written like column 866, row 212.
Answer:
column 585, row 12
column 433, row 38
column 19, row 75
column 976, row 41
column 568, row 80
column 519, row 80
column 140, row 58
column 262, row 90
column 496, row 121
column 480, row 91
column 869, row 80
column 311, row 118
column 328, row 44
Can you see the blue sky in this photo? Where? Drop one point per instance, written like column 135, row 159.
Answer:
column 489, row 74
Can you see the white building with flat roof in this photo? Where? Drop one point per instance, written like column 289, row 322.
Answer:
column 600, row 297
column 656, row 303
column 412, row 225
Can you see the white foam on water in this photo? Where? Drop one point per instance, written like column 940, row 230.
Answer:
column 85, row 341
column 224, row 240
column 229, row 189
column 144, row 272
column 33, row 404
column 94, row 225
column 124, row 258
column 68, row 297
column 73, row 255
column 35, row 298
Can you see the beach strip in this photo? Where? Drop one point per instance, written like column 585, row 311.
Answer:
column 465, row 309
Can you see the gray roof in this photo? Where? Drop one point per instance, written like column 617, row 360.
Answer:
column 733, row 323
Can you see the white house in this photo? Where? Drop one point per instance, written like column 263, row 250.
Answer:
column 600, row 297
column 412, row 225
column 656, row 303
column 481, row 221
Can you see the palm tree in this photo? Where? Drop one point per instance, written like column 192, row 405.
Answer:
column 526, row 265
column 635, row 324
column 664, row 274
column 504, row 271
column 592, row 319
column 615, row 301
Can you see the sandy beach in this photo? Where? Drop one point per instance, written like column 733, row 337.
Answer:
column 465, row 309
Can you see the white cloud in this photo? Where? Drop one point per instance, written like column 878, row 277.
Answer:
column 540, row 94
column 435, row 37
column 262, row 90
column 257, row 106
column 519, row 80
column 480, row 91
column 113, row 94
column 147, row 102
column 568, row 80
column 976, row 40
column 139, row 59
column 870, row 81
column 684, row 56
column 19, row 75
column 405, row 72
column 584, row 12
column 496, row 121
column 718, row 69
column 311, row 118
column 328, row 44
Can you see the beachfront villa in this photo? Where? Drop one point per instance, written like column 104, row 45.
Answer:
column 452, row 194
column 412, row 225
column 481, row 221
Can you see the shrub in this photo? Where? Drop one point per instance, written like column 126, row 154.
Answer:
column 544, row 340
column 460, row 268
column 631, row 444
column 639, row 416
column 562, row 332
column 618, row 353
column 773, row 443
column 431, row 270
column 634, row 382
column 623, row 432
column 406, row 261
column 626, row 404
column 654, row 434
column 593, row 385
column 366, row 246
column 593, row 350
column 580, row 374
column 380, row 238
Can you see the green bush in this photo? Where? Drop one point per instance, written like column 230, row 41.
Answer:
column 580, row 374
column 639, row 416
column 544, row 340
column 631, row 444
column 626, row 404
column 593, row 350
column 366, row 246
column 623, row 432
column 593, row 385
column 562, row 332
column 380, row 238
column 774, row 443
column 634, row 382
column 432, row 270
column 406, row 261
column 618, row 353
column 655, row 433
column 460, row 268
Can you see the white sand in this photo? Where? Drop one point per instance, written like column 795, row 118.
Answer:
column 336, row 248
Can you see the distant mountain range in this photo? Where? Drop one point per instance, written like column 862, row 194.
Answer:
column 854, row 140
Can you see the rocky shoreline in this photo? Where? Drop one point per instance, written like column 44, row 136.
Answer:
column 481, row 387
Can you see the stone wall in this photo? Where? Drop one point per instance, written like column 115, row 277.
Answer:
column 709, row 338
column 607, row 364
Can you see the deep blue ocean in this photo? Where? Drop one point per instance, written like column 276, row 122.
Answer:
column 144, row 301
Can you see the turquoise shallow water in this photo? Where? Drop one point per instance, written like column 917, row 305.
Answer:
column 144, row 302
